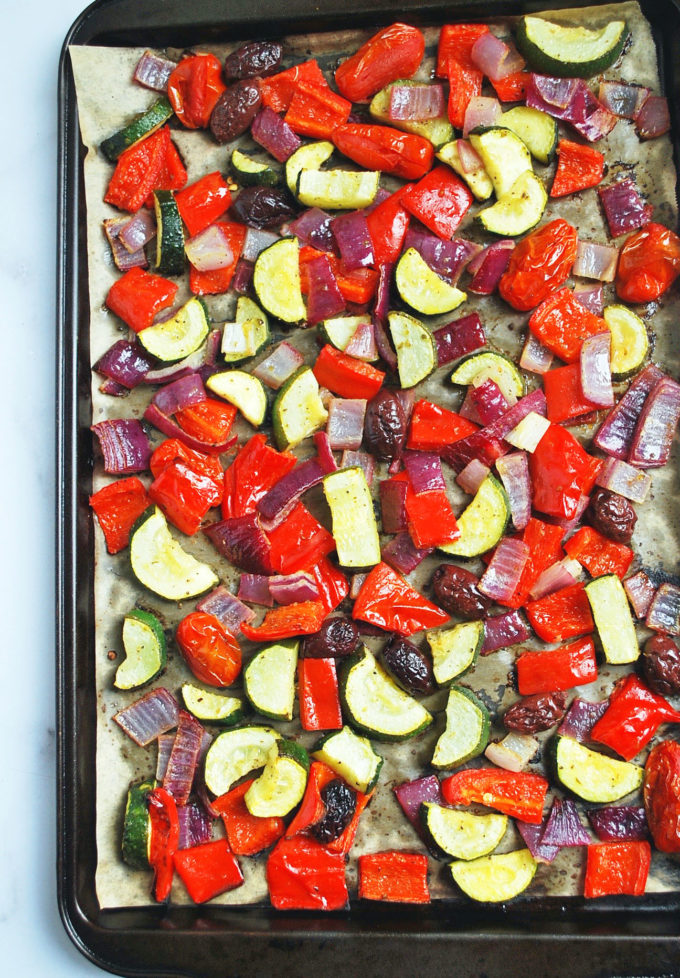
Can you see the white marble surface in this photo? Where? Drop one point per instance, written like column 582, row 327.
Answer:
column 33, row 941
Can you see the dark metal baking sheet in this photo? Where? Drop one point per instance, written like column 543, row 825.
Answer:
column 619, row 938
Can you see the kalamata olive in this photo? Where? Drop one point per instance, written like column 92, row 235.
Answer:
column 455, row 590
column 534, row 713
column 660, row 665
column 408, row 665
column 340, row 802
column 234, row 110
column 384, row 425
column 255, row 59
column 262, row 207
column 336, row 638
column 612, row 515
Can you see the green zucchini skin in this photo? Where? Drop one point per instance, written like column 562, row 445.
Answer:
column 137, row 826
column 169, row 234
column 137, row 130
column 570, row 52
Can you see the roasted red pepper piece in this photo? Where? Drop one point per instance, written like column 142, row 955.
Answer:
column 387, row 226
column 277, row 91
column 316, row 110
column 457, row 41
column 632, row 718
column 561, row 472
column 430, row 518
column 172, row 450
column 393, row 876
column 345, row 376
column 138, row 172
column 661, row 794
column 194, row 88
column 465, row 83
column 556, row 669
column 540, row 263
column 440, row 201
column 562, row 323
column 208, row 870
column 184, row 495
column 564, row 394
column 255, row 470
column 544, row 541
column 163, row 840
column 332, row 584
column 433, row 427
column 247, row 834
column 299, row 618
column 138, row 296
column 312, row 807
column 394, row 52
column 617, row 868
column 387, row 600
column 299, row 542
column 318, row 695
column 118, row 506
column 649, row 263
column 304, row 875
column 512, row 88
column 598, row 554
column 357, row 285
column 578, row 167
column 202, row 202
column 211, row 652
column 520, row 794
column 402, row 154
column 173, row 173
column 218, row 281
column 210, row 420
column 344, row 842
column 562, row 614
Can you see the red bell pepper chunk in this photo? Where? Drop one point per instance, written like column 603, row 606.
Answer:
column 632, row 718
column 561, row 472
column 345, row 376
column 345, row 841
column 544, row 541
column 255, row 470
column 520, row 794
column 578, row 167
column 387, row 600
column 163, row 840
column 598, row 554
column 208, row 870
column 299, row 542
column 555, row 669
column 318, row 695
column 247, row 834
column 312, row 807
column 440, row 201
column 304, row 875
column 277, row 91
column 394, row 52
column 617, row 868
column 203, row 202
column 562, row 323
column 316, row 110
column 464, row 85
column 173, row 174
column 564, row 394
column 357, row 285
column 172, row 450
column 194, row 88
column 118, row 506
column 562, row 614
column 430, row 519
column 432, row 427
column 332, row 584
column 457, row 41
column 402, row 154
column 393, row 876
column 512, row 88
column 387, row 226
column 210, row 420
column 299, row 618
column 219, row 280
column 138, row 172
column 138, row 296
column 184, row 495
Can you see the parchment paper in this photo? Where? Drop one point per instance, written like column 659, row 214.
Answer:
column 107, row 100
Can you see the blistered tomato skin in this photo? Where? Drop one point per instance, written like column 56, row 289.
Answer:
column 257, row 59
column 539, row 265
column 395, row 52
column 649, row 263
column 662, row 795
column 210, row 651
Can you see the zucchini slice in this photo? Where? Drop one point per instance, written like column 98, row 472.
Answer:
column 355, row 529
column 244, row 391
column 145, row 650
column 415, row 348
column 298, row 410
column 269, row 680
column 478, row 180
column 438, row 130
column 462, row 834
column 455, row 650
column 340, row 330
column 519, row 211
column 350, row 756
column 467, row 729
column 249, row 172
column 478, row 367
column 570, row 52
column 236, row 753
column 593, row 776
column 169, row 234
column 282, row 784
column 504, row 155
column 160, row 564
column 337, row 189
column 495, row 878
column 311, row 156
column 248, row 335
column 483, row 522
column 276, row 280
column 422, row 289
column 212, row 707
column 630, row 342
column 376, row 705
column 137, row 826
column 536, row 129
column 142, row 126
column 179, row 336
column 613, row 619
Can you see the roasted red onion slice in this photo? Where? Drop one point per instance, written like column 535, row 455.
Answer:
column 561, row 574
column 291, row 588
column 179, row 774
column 210, row 250
column 489, row 401
column 532, row 835
column 255, row 588
column 393, row 505
column 664, row 610
column 622, row 99
column 536, row 358
column 501, row 578
column 153, row 72
column 122, row 258
column 640, row 590
column 590, row 296
column 616, row 434
column 416, row 102
column 281, row 364
column 138, row 231
column 289, row 489
column 150, row 716
column 623, row 207
column 362, row 345
column 345, row 427
column 325, row 453
column 165, row 742
column 195, row 825
column 620, row 477
column 126, row 363
column 324, row 298
column 596, row 375
column 353, row 239
column 226, row 607
column 494, row 57
column 564, row 827
column 571, row 100
column 581, row 718
column 179, row 394
column 490, row 266
column 124, row 445
column 458, row 338
column 595, row 261
column 270, row 131
column 472, row 476
column 313, row 227
column 411, row 795
column 514, row 472
column 651, row 444
column 654, row 118
column 503, row 631
column 482, row 111
column 470, row 160
column 402, row 553
column 424, row 471
column 243, row 542
column 619, row 822
column 446, row 258
column 188, row 367
column 255, row 241
column 362, row 460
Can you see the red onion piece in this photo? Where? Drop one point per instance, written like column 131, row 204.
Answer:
column 536, row 358
column 255, row 588
column 571, row 524
column 362, row 345
column 402, row 554
column 494, row 57
column 291, row 588
column 558, row 93
column 489, row 401
column 226, row 607
column 313, row 227
column 562, row 573
column 468, row 408
column 591, row 297
column 501, row 578
column 458, row 338
column 623, row 207
column 255, row 241
column 209, row 250
column 472, row 476
column 489, row 270
column 325, row 454
column 571, row 100
column 622, row 99
column 242, row 279
column 124, row 445
column 179, row 774
column 446, row 258
column 503, row 631
column 289, row 489
column 407, row 399
column 126, row 363
column 653, row 436
column 113, row 389
column 416, row 102
column 165, row 742
column 281, row 364
column 138, row 231
column 345, row 427
column 514, row 472
column 640, row 590
column 243, row 542
column 270, row 131
column 616, row 434
column 353, row 239
column 654, row 118
column 595, row 261
column 626, row 823
column 596, row 375
column 564, row 827
column 411, row 795
column 532, row 835
column 470, row 161
column 488, row 444
column 324, row 298
column 188, row 367
column 624, row 479
column 153, row 71
column 356, row 585
column 195, row 825
column 165, row 424
column 362, row 460
column 482, row 112
column 150, row 716
column 581, row 718
column 393, row 505
column 424, row 471
column 122, row 258
column 179, row 394
column 664, row 610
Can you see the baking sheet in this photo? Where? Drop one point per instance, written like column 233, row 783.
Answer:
column 106, row 100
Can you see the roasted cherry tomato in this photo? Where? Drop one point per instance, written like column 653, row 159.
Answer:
column 193, row 89
column 394, row 52
column 210, row 651
column 539, row 264
column 648, row 264
column 662, row 795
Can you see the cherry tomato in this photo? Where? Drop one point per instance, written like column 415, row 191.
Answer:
column 394, row 52
column 539, row 265
column 648, row 264
column 210, row 651
column 662, row 795
column 193, row 89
